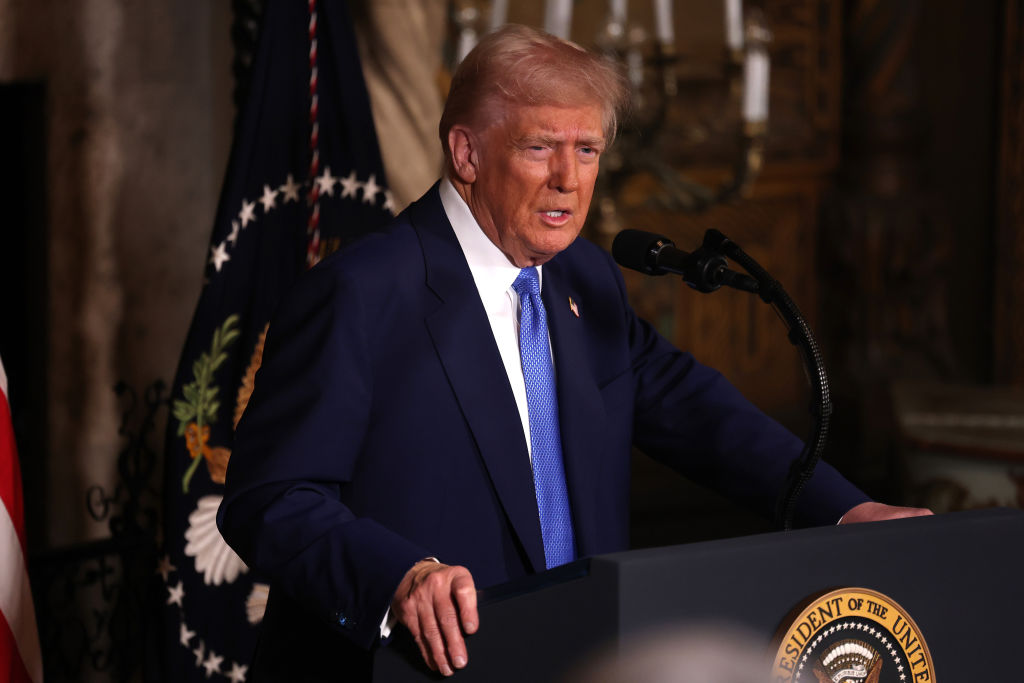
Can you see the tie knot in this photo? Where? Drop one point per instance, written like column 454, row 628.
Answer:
column 527, row 282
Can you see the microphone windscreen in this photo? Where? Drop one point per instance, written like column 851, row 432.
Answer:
column 638, row 250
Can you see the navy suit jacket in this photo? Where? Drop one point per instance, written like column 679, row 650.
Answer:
column 383, row 430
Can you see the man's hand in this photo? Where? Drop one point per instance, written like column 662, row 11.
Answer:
column 879, row 512
column 433, row 601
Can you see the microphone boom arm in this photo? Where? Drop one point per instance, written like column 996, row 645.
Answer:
column 800, row 335
column 706, row 271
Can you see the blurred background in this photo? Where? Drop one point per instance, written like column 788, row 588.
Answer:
column 879, row 178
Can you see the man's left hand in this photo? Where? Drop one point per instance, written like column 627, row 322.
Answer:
column 879, row 512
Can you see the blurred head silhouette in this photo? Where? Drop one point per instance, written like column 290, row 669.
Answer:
column 684, row 654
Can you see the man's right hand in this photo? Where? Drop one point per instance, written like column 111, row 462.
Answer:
column 437, row 603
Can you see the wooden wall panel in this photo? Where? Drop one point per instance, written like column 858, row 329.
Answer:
column 1008, row 293
column 776, row 223
column 731, row 330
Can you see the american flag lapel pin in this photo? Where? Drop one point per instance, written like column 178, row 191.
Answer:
column 574, row 308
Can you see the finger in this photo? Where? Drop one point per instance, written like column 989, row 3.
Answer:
column 448, row 619
column 406, row 610
column 431, row 634
column 465, row 596
column 411, row 622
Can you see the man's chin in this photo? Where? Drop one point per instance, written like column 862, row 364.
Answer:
column 543, row 254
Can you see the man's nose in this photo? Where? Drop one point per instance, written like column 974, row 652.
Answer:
column 565, row 171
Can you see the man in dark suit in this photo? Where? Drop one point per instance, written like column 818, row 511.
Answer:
column 452, row 403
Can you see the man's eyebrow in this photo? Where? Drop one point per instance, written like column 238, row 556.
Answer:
column 586, row 141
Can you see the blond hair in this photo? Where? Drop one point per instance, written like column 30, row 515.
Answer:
column 520, row 65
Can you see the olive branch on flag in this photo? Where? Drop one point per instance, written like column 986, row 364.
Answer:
column 200, row 404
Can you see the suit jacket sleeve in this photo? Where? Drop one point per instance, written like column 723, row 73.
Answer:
column 689, row 416
column 296, row 445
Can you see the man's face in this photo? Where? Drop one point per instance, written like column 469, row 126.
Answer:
column 535, row 179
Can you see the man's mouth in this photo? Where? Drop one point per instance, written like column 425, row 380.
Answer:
column 556, row 218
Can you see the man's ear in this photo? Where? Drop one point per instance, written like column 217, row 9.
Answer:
column 463, row 147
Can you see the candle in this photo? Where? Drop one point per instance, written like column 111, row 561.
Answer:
column 734, row 25
column 617, row 11
column 755, row 85
column 499, row 13
column 466, row 19
column 664, row 29
column 467, row 41
column 635, row 67
column 558, row 17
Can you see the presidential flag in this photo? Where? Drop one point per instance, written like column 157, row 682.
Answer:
column 20, row 658
column 304, row 179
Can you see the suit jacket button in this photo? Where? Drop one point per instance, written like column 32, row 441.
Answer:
column 344, row 621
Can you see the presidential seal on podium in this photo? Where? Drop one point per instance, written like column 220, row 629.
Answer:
column 852, row 635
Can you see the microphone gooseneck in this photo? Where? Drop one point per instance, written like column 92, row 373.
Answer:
column 706, row 270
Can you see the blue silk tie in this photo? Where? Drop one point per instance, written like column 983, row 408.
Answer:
column 545, row 437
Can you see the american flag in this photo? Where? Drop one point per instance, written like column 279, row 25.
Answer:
column 20, row 658
column 304, row 179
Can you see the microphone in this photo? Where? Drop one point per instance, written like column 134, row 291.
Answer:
column 651, row 254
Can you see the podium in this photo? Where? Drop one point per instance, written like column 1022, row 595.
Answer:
column 960, row 576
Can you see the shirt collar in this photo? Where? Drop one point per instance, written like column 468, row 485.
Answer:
column 491, row 269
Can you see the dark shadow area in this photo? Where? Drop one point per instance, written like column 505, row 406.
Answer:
column 23, row 280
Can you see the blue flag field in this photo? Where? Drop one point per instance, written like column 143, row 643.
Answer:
column 304, row 179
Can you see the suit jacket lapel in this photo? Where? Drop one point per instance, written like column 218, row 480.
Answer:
column 465, row 345
column 580, row 407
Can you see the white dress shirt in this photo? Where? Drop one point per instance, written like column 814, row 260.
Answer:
column 493, row 274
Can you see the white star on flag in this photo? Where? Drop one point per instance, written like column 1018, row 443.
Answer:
column 268, row 199
column 164, row 567
column 370, row 190
column 233, row 235
column 184, row 635
column 325, row 181
column 212, row 664
column 349, row 185
column 218, row 255
column 175, row 594
column 237, row 673
column 248, row 213
column 200, row 652
column 389, row 202
column 290, row 189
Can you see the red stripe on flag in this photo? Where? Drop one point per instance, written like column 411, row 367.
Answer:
column 20, row 657
column 10, row 473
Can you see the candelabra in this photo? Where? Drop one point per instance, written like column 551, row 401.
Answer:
column 660, row 76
